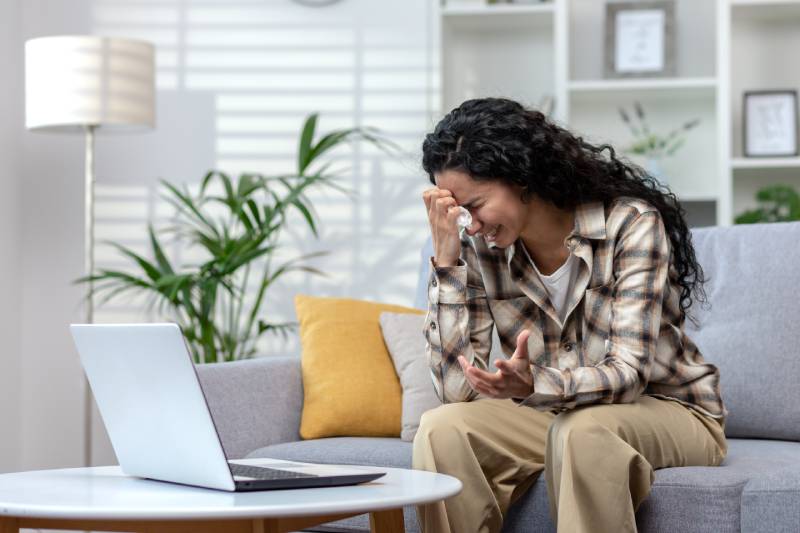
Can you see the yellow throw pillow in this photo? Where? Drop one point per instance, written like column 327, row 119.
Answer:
column 350, row 387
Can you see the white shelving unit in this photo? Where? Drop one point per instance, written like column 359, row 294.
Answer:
column 722, row 48
column 764, row 36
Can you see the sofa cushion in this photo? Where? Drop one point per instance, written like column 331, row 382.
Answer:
column 771, row 502
column 402, row 333
column 771, row 497
column 749, row 332
column 370, row 451
column 695, row 499
column 761, row 456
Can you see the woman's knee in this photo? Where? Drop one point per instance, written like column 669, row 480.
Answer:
column 445, row 416
column 443, row 425
column 576, row 425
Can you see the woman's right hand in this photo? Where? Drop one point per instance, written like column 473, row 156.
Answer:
column 443, row 212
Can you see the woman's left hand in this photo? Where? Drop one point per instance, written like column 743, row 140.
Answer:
column 513, row 378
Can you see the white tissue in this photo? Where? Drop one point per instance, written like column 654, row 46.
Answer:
column 464, row 218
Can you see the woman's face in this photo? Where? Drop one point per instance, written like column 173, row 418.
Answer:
column 497, row 211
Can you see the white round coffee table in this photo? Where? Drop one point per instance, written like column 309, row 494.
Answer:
column 104, row 499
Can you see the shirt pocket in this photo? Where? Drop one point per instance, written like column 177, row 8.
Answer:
column 597, row 314
column 511, row 316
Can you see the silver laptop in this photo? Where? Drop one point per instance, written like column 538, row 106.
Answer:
column 157, row 417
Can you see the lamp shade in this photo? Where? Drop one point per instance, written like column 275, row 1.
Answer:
column 76, row 81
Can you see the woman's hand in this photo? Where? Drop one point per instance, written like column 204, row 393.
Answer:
column 442, row 215
column 513, row 378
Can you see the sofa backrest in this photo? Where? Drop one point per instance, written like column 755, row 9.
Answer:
column 749, row 326
column 750, row 331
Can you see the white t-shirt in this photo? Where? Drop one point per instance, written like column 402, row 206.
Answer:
column 559, row 284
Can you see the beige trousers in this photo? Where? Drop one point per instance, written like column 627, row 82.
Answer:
column 598, row 459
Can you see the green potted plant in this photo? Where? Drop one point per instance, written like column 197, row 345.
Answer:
column 651, row 145
column 777, row 203
column 236, row 223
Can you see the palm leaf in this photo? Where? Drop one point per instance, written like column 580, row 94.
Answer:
column 149, row 268
column 158, row 252
column 283, row 329
column 305, row 150
column 307, row 215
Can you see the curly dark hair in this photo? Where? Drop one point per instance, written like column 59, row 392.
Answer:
column 500, row 139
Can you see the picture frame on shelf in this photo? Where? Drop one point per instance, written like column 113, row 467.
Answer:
column 640, row 39
column 770, row 123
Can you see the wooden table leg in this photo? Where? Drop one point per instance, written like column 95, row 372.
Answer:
column 284, row 525
column 390, row 521
column 9, row 525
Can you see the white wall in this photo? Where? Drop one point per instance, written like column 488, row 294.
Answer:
column 10, row 176
column 51, row 252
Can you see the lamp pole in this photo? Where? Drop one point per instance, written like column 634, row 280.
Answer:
column 88, row 267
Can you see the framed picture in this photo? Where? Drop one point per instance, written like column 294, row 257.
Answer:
column 640, row 39
column 770, row 123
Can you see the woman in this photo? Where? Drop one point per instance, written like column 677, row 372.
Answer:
column 586, row 269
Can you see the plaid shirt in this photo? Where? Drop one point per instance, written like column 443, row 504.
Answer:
column 623, row 335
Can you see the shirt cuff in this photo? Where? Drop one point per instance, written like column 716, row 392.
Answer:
column 448, row 285
column 526, row 400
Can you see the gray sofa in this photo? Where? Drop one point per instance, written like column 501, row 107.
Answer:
column 750, row 332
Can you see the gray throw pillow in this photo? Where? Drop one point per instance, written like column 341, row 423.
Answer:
column 402, row 333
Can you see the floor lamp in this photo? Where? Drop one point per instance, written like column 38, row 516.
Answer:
column 89, row 85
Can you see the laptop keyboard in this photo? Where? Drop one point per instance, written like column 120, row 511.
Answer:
column 262, row 472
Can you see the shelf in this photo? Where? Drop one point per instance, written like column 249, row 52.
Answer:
column 671, row 89
column 761, row 163
column 498, row 16
column 643, row 84
column 627, row 84
column 700, row 197
column 499, row 9
column 764, row 3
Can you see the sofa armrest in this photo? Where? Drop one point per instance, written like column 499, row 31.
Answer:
column 254, row 402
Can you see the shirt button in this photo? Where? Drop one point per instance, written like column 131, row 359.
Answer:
column 433, row 326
